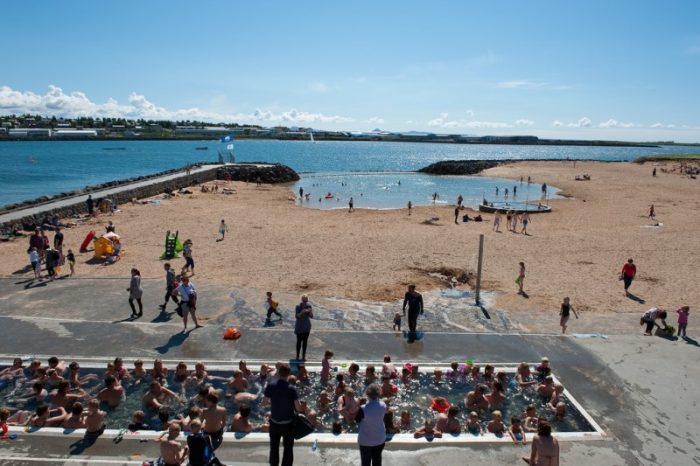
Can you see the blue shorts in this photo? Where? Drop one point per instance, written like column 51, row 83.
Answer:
column 189, row 262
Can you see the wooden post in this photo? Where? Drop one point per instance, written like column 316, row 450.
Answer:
column 478, row 269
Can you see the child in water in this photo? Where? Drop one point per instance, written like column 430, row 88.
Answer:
column 495, row 425
column 516, row 431
column 326, row 366
column 473, row 425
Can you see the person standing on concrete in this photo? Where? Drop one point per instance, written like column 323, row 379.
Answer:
column 414, row 301
column 284, row 401
column 372, row 432
column 188, row 301
column 187, row 254
column 135, row 293
column 272, row 306
column 169, row 285
column 302, row 328
column 90, row 204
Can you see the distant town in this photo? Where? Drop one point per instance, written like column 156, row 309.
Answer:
column 38, row 127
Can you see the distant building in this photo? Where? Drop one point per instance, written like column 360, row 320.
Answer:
column 29, row 132
column 204, row 131
column 74, row 133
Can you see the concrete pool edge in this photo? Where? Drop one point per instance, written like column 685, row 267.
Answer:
column 324, row 439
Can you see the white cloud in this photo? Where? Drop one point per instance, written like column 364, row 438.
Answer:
column 524, row 122
column 583, row 122
column 375, row 121
column 58, row 103
column 470, row 113
column 443, row 122
column 557, row 123
column 522, row 84
column 612, row 123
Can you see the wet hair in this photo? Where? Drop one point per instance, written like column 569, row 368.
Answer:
column 354, row 367
column 94, row 403
column 155, row 384
column 53, row 360
column 195, row 424
column 497, row 386
column 138, row 363
column 482, row 388
column 515, row 420
column 497, row 413
column 370, row 368
column 4, row 414
column 77, row 409
column 339, row 378
column 139, row 415
column 337, row 427
column 163, row 414
column 195, row 412
column 41, row 410
column 372, row 391
column 62, row 386
column 454, row 365
column 118, row 361
column 110, row 380
column 204, row 389
column 453, row 411
column 388, row 418
column 73, row 366
column 213, row 398
column 244, row 410
column 544, row 429
column 38, row 386
column 387, row 358
column 237, row 373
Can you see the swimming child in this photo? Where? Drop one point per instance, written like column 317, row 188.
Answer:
column 70, row 257
column 473, row 425
column 495, row 425
column 340, row 387
column 326, row 366
column 543, row 370
column 428, row 431
column 387, row 388
column 556, row 397
column 396, row 324
column 560, row 411
column 323, row 402
column 448, row 422
column 388, row 368
column 683, row 314
column 240, row 421
column 532, row 420
column 95, row 419
column 516, row 431
column 405, row 423
column 137, row 421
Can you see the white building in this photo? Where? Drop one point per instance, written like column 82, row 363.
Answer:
column 29, row 132
column 74, row 133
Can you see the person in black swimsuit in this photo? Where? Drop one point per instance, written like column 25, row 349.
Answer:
column 414, row 301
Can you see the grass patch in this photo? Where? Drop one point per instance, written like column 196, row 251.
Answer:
column 668, row 158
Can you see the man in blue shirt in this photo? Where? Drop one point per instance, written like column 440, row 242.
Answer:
column 284, row 401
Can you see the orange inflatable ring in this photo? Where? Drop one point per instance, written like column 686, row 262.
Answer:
column 440, row 405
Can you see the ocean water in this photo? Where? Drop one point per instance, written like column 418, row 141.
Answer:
column 35, row 168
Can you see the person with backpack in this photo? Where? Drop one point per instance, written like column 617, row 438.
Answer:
column 201, row 452
column 272, row 306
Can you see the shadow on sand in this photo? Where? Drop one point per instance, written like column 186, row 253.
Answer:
column 635, row 298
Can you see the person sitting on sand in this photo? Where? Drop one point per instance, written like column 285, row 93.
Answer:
column 428, row 431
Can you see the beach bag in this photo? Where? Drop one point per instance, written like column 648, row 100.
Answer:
column 179, row 311
column 274, row 304
column 193, row 301
column 302, row 426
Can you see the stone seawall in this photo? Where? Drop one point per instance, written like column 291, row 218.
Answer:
column 70, row 206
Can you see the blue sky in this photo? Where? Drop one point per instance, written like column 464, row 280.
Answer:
column 595, row 69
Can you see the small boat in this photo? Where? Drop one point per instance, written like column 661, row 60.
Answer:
column 114, row 148
column 313, row 141
column 518, row 208
column 201, row 148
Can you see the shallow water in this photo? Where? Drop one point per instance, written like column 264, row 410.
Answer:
column 414, row 398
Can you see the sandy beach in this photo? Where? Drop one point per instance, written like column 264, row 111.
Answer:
column 577, row 250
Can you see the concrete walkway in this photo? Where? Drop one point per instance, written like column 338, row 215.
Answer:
column 104, row 193
column 641, row 390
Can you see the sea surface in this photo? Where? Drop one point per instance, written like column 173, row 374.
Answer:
column 35, row 168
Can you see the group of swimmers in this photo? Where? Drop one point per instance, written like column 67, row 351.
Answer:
column 66, row 398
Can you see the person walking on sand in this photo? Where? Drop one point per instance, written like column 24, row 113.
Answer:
column 350, row 205
column 135, row 292
column 302, row 328
column 497, row 221
column 525, row 220
column 460, row 199
column 410, row 206
column 414, row 301
column 629, row 271
column 457, row 215
column 170, row 279
column 564, row 312
column 223, row 229
column 683, row 314
column 90, row 205
column 188, row 301
column 187, row 254
column 652, row 212
column 521, row 278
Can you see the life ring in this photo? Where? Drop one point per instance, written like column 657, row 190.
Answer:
column 440, row 405
column 329, row 196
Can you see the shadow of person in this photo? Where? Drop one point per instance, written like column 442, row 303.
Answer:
column 33, row 284
column 128, row 319
column 164, row 316
column 25, row 269
column 690, row 341
column 173, row 342
column 635, row 298
column 78, row 447
column 524, row 295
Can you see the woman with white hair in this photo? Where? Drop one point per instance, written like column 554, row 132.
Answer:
column 372, row 433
